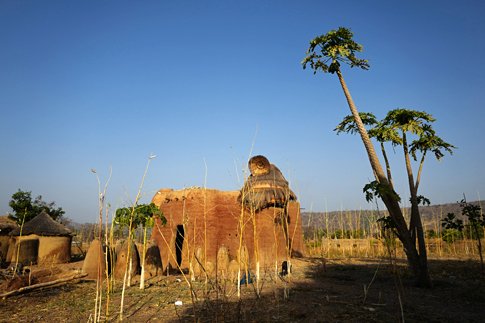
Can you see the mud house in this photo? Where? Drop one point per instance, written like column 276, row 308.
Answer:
column 262, row 219
column 6, row 226
column 43, row 241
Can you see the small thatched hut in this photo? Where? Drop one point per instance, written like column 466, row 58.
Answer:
column 6, row 226
column 54, row 239
column 265, row 187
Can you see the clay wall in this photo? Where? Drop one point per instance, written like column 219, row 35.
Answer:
column 217, row 214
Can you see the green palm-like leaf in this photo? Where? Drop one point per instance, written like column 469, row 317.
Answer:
column 429, row 141
column 407, row 120
column 385, row 133
column 348, row 123
column 326, row 52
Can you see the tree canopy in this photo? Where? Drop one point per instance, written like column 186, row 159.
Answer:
column 24, row 209
column 326, row 52
column 142, row 214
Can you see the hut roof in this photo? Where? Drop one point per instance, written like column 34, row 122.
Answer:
column 266, row 186
column 43, row 225
column 6, row 225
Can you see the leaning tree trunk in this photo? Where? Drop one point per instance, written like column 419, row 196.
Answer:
column 416, row 225
column 392, row 205
column 388, row 166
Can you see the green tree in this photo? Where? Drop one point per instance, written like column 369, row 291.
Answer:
column 405, row 123
column 326, row 53
column 398, row 127
column 141, row 215
column 24, row 209
column 476, row 220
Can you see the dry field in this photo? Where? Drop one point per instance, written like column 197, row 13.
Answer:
column 333, row 290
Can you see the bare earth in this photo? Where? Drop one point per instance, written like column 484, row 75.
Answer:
column 318, row 291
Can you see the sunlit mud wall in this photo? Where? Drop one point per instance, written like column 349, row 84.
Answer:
column 207, row 220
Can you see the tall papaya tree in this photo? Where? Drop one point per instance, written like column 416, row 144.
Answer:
column 413, row 131
column 326, row 53
column 406, row 123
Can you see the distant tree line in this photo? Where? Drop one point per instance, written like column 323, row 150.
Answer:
column 25, row 209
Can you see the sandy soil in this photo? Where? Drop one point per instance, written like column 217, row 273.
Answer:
column 336, row 290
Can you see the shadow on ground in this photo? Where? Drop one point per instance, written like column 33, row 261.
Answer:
column 354, row 290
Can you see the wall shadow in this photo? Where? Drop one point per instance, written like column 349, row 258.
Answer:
column 353, row 290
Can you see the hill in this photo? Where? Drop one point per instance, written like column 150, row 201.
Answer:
column 365, row 220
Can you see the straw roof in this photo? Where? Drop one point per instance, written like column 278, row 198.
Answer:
column 265, row 187
column 6, row 225
column 43, row 225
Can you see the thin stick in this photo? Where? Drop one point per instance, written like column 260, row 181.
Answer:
column 128, row 258
column 46, row 284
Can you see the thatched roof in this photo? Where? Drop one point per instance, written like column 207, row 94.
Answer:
column 6, row 225
column 265, row 187
column 43, row 225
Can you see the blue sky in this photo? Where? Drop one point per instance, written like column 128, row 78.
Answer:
column 205, row 84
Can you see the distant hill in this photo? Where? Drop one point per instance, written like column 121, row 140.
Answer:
column 365, row 219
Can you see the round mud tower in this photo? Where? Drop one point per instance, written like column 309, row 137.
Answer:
column 94, row 258
column 153, row 261
column 121, row 261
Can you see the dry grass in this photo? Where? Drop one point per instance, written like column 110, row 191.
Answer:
column 374, row 248
column 320, row 290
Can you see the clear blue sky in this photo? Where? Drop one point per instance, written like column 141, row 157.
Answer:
column 94, row 84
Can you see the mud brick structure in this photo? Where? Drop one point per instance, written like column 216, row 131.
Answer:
column 195, row 214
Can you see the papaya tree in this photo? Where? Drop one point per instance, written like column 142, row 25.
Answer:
column 413, row 131
column 141, row 215
column 406, row 123
column 326, row 54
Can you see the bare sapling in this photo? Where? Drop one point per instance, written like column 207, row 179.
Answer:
column 205, row 224
column 242, row 264
column 193, row 295
column 143, row 255
column 99, row 276
column 19, row 240
column 130, row 229
column 252, row 215
column 276, row 244
column 107, row 259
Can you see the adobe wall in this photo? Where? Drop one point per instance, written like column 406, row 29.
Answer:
column 54, row 250
column 4, row 244
column 223, row 227
column 51, row 249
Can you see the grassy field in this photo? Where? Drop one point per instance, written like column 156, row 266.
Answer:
column 341, row 280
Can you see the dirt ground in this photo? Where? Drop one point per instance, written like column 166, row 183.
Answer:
column 335, row 290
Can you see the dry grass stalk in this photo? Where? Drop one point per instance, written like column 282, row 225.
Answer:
column 189, row 283
column 128, row 258
column 101, row 208
column 18, row 246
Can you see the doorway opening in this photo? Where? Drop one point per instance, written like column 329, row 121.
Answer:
column 179, row 242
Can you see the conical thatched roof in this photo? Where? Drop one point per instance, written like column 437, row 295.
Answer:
column 265, row 187
column 43, row 225
column 6, row 225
